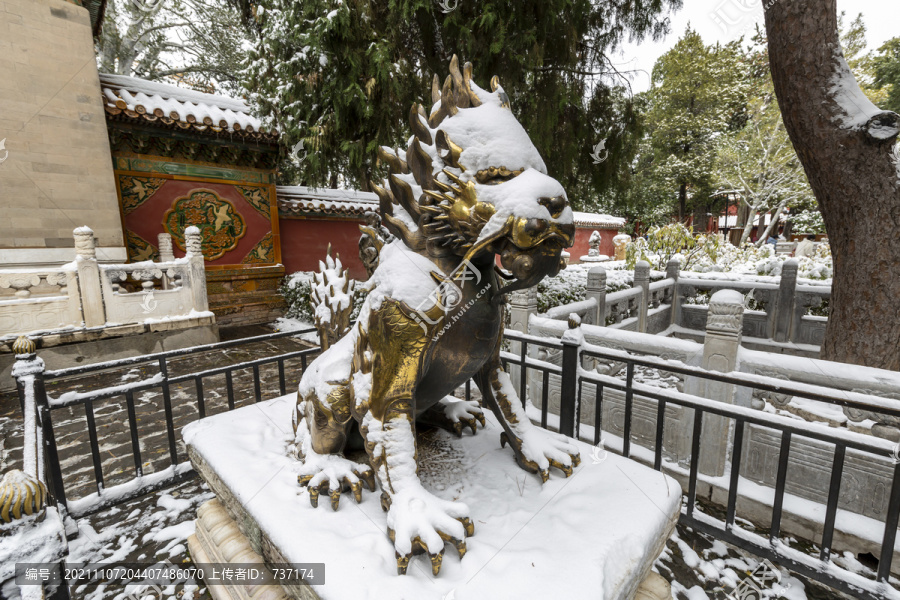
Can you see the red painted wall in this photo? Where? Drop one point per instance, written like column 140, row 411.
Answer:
column 304, row 242
column 583, row 235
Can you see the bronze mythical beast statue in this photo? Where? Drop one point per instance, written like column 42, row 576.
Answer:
column 470, row 186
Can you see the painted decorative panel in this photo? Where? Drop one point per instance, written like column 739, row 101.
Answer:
column 235, row 221
column 221, row 226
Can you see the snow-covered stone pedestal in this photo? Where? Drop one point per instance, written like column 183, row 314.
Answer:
column 593, row 535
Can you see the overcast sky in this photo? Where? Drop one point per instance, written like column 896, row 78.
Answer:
column 726, row 20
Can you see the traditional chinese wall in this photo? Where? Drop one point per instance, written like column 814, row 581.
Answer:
column 583, row 235
column 304, row 242
column 55, row 164
column 235, row 209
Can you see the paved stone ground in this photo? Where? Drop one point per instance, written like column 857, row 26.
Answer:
column 111, row 415
column 154, row 527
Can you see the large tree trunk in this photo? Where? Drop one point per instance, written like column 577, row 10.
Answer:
column 844, row 143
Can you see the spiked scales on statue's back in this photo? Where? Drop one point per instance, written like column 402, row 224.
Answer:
column 471, row 186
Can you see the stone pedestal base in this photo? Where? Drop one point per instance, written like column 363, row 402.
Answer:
column 593, row 535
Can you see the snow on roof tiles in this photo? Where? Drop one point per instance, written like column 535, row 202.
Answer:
column 151, row 101
column 583, row 219
column 297, row 199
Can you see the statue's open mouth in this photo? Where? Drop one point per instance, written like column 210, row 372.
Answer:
column 527, row 266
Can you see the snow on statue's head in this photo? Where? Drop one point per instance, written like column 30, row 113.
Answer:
column 471, row 184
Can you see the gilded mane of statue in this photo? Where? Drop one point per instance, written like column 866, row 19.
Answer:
column 470, row 186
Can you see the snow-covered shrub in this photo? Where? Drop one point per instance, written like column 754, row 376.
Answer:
column 296, row 290
column 808, row 221
column 674, row 240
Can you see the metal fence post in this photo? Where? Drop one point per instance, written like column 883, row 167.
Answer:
column 596, row 288
column 568, row 388
column 784, row 305
column 642, row 280
column 40, row 455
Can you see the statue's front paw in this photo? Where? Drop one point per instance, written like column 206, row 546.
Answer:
column 420, row 522
column 332, row 474
column 538, row 449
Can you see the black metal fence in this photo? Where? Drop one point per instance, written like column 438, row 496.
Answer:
column 575, row 388
column 161, row 381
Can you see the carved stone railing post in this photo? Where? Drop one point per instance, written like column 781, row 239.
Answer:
column 673, row 268
column 720, row 353
column 596, row 288
column 642, row 280
column 784, row 305
column 523, row 304
column 166, row 254
column 92, row 309
column 193, row 243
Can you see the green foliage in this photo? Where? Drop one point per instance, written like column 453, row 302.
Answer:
column 698, row 93
column 759, row 158
column 342, row 75
column 887, row 73
column 193, row 43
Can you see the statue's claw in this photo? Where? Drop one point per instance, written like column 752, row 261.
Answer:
column 566, row 469
column 419, row 522
column 331, row 475
column 457, row 428
column 368, row 477
column 539, row 450
column 402, row 562
column 356, row 489
column 467, row 524
column 436, row 560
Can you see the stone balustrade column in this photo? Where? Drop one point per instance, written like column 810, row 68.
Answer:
column 596, row 288
column 642, row 280
column 92, row 309
column 194, row 245
column 784, row 304
column 720, row 353
column 673, row 268
column 166, row 254
column 523, row 304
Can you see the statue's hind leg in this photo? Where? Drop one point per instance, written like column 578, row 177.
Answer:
column 452, row 414
column 321, row 430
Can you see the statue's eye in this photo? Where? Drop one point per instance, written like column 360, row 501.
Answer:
column 555, row 205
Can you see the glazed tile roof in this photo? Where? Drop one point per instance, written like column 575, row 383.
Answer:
column 302, row 200
column 584, row 219
column 151, row 101
column 298, row 199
